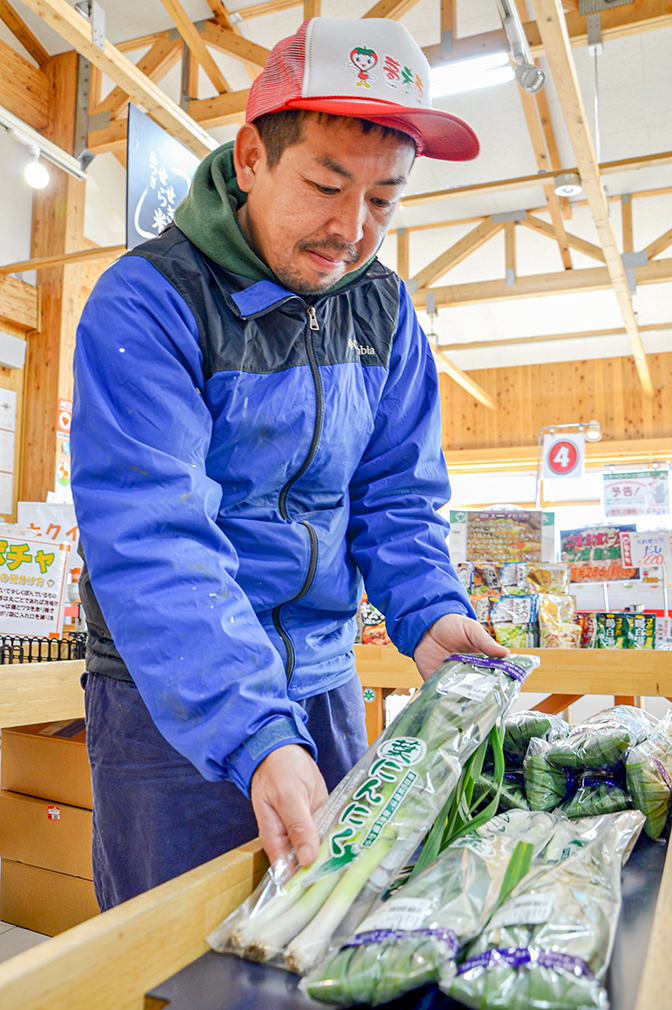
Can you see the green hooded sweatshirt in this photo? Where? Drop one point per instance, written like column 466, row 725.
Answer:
column 208, row 217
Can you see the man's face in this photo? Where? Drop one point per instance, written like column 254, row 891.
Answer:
column 323, row 210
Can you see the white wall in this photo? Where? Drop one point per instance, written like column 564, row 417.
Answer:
column 16, row 204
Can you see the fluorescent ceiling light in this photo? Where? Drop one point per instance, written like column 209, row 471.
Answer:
column 468, row 75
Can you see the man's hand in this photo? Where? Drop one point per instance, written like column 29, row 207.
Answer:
column 453, row 633
column 286, row 789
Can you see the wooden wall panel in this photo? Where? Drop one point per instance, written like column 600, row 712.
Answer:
column 532, row 396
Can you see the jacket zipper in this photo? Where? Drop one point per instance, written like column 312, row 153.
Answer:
column 313, row 327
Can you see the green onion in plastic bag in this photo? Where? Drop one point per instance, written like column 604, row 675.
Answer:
column 520, row 727
column 376, row 817
column 548, row 946
column 603, row 740
column 595, row 794
column 412, row 938
column 511, row 790
column 648, row 771
column 545, row 785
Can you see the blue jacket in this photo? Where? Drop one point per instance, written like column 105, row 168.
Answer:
column 241, row 458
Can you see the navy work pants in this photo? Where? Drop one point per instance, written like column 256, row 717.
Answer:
column 154, row 815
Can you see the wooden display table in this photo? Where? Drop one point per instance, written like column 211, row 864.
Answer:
column 114, row 959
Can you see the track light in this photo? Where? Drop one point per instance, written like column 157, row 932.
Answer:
column 529, row 76
column 35, row 173
column 48, row 151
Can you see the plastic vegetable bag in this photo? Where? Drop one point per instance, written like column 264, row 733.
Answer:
column 596, row 794
column 511, row 790
column 546, row 786
column 376, row 817
column 413, row 937
column 603, row 740
column 520, row 727
column 648, row 771
column 549, row 944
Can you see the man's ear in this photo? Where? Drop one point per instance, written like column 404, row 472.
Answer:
column 248, row 153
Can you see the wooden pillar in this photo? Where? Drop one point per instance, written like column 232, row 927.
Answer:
column 58, row 220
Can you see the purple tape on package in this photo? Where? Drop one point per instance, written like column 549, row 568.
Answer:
column 516, row 957
column 664, row 774
column 489, row 663
column 444, row 936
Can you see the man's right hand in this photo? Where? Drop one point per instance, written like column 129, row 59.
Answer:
column 286, row 789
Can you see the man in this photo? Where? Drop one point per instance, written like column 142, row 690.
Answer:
column 256, row 427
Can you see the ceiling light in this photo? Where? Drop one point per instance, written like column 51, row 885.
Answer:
column 48, row 150
column 35, row 173
column 567, row 184
column 469, row 75
column 530, row 77
column 593, row 431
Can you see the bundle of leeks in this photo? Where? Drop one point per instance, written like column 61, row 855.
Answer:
column 376, row 817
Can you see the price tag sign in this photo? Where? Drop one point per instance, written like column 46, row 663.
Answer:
column 654, row 547
column 563, row 455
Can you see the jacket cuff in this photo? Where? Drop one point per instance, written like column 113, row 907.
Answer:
column 242, row 762
column 415, row 626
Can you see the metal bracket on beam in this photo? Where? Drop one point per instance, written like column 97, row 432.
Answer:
column 630, row 261
column 510, row 277
column 93, row 12
column 446, row 43
column 412, row 287
column 594, row 26
column 99, row 121
column 80, row 149
column 430, row 304
column 508, row 215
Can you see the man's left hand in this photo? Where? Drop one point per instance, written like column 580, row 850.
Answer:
column 453, row 633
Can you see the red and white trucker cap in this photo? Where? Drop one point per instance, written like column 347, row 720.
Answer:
column 370, row 68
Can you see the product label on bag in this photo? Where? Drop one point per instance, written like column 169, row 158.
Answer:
column 398, row 913
column 53, row 813
column 469, row 685
column 525, row 910
column 376, row 799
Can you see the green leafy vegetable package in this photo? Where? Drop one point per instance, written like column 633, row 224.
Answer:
column 547, row 947
column 376, row 817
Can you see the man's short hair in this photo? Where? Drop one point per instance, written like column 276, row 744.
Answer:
column 279, row 130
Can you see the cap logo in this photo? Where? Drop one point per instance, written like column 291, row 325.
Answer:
column 364, row 60
column 398, row 75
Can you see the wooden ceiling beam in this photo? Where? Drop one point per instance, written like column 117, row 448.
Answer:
column 62, row 259
column 644, row 15
column 445, row 365
column 659, row 245
column 227, row 41
column 22, row 32
column 458, row 252
column 580, row 244
column 65, row 20
column 312, row 9
column 544, row 338
column 267, row 7
column 192, row 37
column 155, row 64
column 222, row 17
column 539, row 285
column 538, row 141
column 393, row 9
column 551, row 22
column 526, row 181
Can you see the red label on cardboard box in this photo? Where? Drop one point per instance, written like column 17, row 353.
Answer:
column 53, row 813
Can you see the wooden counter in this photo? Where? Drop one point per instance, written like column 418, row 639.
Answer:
column 111, row 961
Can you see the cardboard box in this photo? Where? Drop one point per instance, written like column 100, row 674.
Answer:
column 53, row 836
column 48, row 759
column 42, row 900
